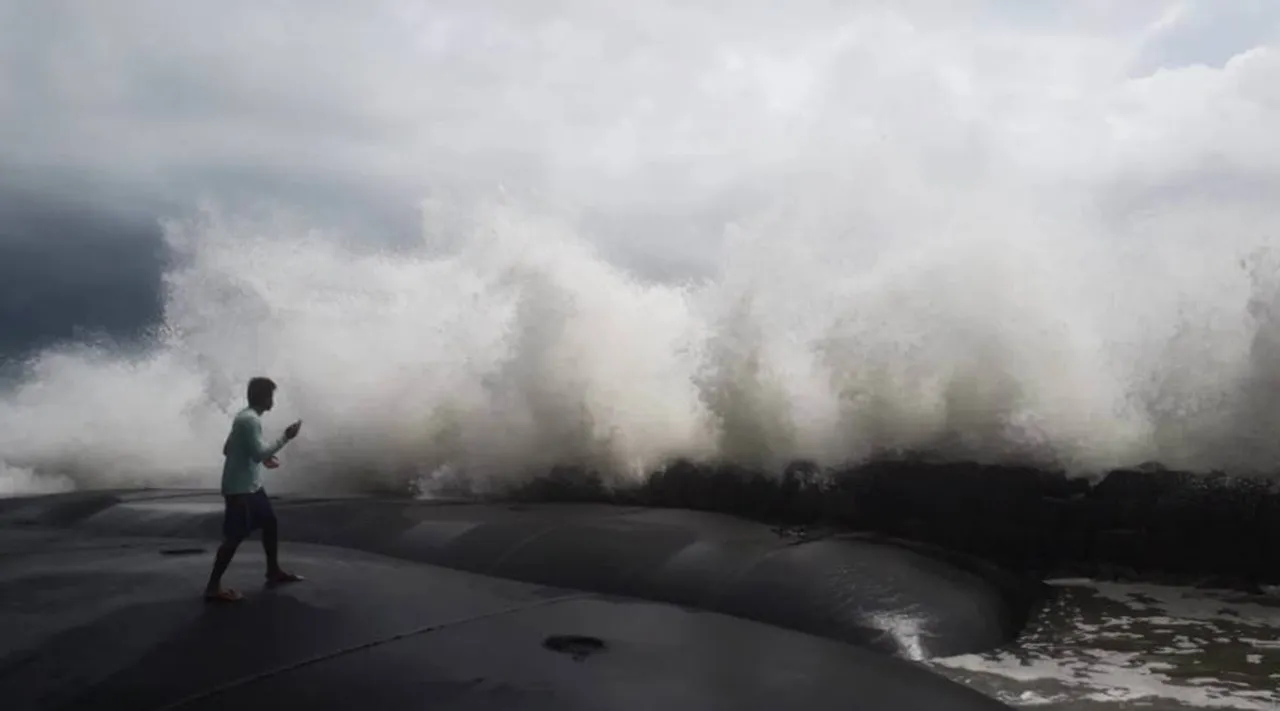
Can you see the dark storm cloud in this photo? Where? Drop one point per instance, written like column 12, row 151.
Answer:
column 72, row 270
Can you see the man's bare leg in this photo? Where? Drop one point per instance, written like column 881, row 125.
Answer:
column 271, row 546
column 214, row 590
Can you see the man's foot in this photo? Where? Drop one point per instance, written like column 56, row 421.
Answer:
column 280, row 577
column 222, row 595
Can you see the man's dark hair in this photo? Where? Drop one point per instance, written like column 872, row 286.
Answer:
column 259, row 389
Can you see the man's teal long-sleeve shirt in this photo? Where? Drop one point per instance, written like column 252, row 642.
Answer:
column 245, row 451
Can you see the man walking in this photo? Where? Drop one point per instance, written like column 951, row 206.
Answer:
column 247, row 505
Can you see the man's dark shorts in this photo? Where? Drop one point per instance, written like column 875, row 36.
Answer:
column 246, row 513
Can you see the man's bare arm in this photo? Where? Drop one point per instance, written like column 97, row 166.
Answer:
column 260, row 451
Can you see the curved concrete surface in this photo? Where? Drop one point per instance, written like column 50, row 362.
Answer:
column 874, row 595
column 1150, row 521
column 92, row 622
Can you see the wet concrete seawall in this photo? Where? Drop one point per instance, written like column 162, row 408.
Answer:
column 895, row 599
column 1138, row 523
column 94, row 621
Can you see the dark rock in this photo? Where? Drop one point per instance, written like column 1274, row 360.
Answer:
column 1146, row 519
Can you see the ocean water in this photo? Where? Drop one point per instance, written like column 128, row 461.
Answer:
column 1104, row 645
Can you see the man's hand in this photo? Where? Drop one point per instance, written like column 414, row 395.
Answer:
column 292, row 430
column 271, row 463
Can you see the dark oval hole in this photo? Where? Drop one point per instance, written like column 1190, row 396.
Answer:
column 575, row 646
column 182, row 551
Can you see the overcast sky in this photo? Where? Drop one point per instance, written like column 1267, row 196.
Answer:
column 372, row 104
column 653, row 119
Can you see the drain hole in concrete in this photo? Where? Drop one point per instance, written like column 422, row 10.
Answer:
column 182, row 551
column 575, row 646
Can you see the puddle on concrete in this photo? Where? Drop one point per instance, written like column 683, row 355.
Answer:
column 576, row 646
column 1101, row 645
